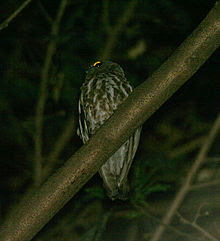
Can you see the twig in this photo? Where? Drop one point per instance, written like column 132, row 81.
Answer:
column 132, row 232
column 217, row 228
column 58, row 147
column 14, row 14
column 197, row 227
column 198, row 213
column 202, row 185
column 168, row 226
column 96, row 230
column 213, row 159
column 186, row 148
column 114, row 33
column 89, row 235
column 101, row 227
column 186, row 185
column 63, row 139
column 45, row 13
column 105, row 16
column 43, row 93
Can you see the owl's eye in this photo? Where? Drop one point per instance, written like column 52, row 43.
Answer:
column 97, row 64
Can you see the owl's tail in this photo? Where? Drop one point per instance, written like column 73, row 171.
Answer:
column 123, row 192
column 118, row 192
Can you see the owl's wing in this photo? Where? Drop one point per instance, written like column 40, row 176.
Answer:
column 82, row 130
column 114, row 172
column 132, row 148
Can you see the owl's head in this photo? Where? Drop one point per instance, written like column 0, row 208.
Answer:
column 104, row 67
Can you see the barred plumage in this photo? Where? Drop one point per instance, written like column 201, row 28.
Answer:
column 105, row 87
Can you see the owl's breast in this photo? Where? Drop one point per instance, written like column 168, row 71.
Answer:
column 100, row 96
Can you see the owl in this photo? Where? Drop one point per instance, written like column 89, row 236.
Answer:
column 104, row 89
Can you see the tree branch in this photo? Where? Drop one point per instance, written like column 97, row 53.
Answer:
column 65, row 136
column 197, row 227
column 105, row 16
column 37, row 209
column 14, row 14
column 145, row 212
column 43, row 93
column 44, row 12
column 114, row 31
column 186, row 185
column 186, row 148
column 203, row 185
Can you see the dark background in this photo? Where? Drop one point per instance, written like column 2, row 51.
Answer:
column 170, row 138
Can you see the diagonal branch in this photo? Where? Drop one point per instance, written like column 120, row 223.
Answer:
column 115, row 31
column 37, row 209
column 146, row 213
column 197, row 227
column 59, row 146
column 105, row 16
column 186, row 148
column 43, row 93
column 203, row 185
column 14, row 14
column 186, row 185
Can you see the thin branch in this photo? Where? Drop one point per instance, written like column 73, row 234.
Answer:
column 186, row 148
column 197, row 227
column 14, row 14
column 168, row 226
column 132, row 232
column 213, row 159
column 44, row 12
column 102, row 226
column 105, row 16
column 115, row 31
column 217, row 228
column 62, row 140
column 37, row 209
column 186, row 185
column 43, row 93
column 206, row 184
column 198, row 212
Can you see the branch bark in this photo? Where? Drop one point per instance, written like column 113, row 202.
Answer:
column 37, row 209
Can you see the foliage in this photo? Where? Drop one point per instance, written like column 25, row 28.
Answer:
column 144, row 182
column 94, row 192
